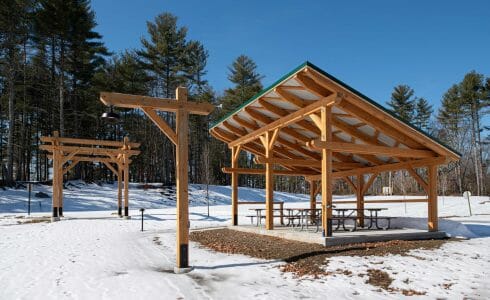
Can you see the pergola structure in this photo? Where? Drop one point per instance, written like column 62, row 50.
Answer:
column 180, row 138
column 66, row 153
column 311, row 124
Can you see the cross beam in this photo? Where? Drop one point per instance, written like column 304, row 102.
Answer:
column 371, row 149
column 163, row 104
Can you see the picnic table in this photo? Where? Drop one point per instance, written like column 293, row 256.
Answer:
column 258, row 215
column 341, row 217
column 307, row 216
column 304, row 216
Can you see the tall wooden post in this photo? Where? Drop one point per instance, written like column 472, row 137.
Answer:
column 432, row 198
column 126, row 178
column 60, row 186
column 360, row 199
column 326, row 135
column 182, row 131
column 56, row 163
column 312, row 199
column 119, row 189
column 235, row 152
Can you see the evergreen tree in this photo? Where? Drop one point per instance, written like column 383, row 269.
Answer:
column 67, row 28
column 402, row 102
column 197, row 58
column 247, row 82
column 451, row 113
column 474, row 100
column 14, row 26
column 164, row 54
column 423, row 112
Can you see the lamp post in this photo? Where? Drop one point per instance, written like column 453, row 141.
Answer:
column 142, row 210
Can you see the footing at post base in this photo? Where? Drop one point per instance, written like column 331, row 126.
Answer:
column 127, row 217
column 55, row 219
column 178, row 270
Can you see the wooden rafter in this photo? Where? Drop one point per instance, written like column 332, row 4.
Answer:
column 287, row 120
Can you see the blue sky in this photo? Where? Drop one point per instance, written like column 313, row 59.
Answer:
column 370, row 45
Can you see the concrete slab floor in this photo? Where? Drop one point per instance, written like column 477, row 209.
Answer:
column 342, row 237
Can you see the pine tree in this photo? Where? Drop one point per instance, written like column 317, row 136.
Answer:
column 423, row 113
column 14, row 24
column 164, row 54
column 474, row 100
column 402, row 102
column 197, row 57
column 247, row 82
column 163, row 57
column 451, row 113
column 67, row 28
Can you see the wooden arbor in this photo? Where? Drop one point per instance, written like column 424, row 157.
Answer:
column 66, row 153
column 180, row 138
column 311, row 124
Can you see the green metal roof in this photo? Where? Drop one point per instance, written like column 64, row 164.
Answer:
column 342, row 84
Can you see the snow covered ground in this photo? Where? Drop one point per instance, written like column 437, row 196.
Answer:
column 92, row 254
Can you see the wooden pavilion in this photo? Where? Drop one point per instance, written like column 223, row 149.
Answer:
column 66, row 153
column 308, row 123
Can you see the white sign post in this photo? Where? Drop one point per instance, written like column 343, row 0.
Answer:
column 467, row 195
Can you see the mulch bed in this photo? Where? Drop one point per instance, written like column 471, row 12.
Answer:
column 301, row 258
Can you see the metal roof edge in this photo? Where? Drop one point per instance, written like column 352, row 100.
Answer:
column 342, row 84
column 260, row 94
column 379, row 106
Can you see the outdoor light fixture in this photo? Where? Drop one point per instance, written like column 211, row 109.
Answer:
column 142, row 210
column 111, row 116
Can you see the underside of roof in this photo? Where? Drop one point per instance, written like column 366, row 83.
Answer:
column 355, row 120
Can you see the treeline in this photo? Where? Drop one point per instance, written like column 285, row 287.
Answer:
column 53, row 65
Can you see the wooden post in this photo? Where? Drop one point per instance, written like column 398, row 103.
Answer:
column 60, row 186
column 56, row 163
column 235, row 151
column 360, row 199
column 326, row 135
column 312, row 199
column 119, row 189
column 182, row 131
column 126, row 178
column 268, row 140
column 432, row 198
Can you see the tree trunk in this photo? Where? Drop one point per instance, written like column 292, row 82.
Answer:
column 10, row 139
column 61, row 90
